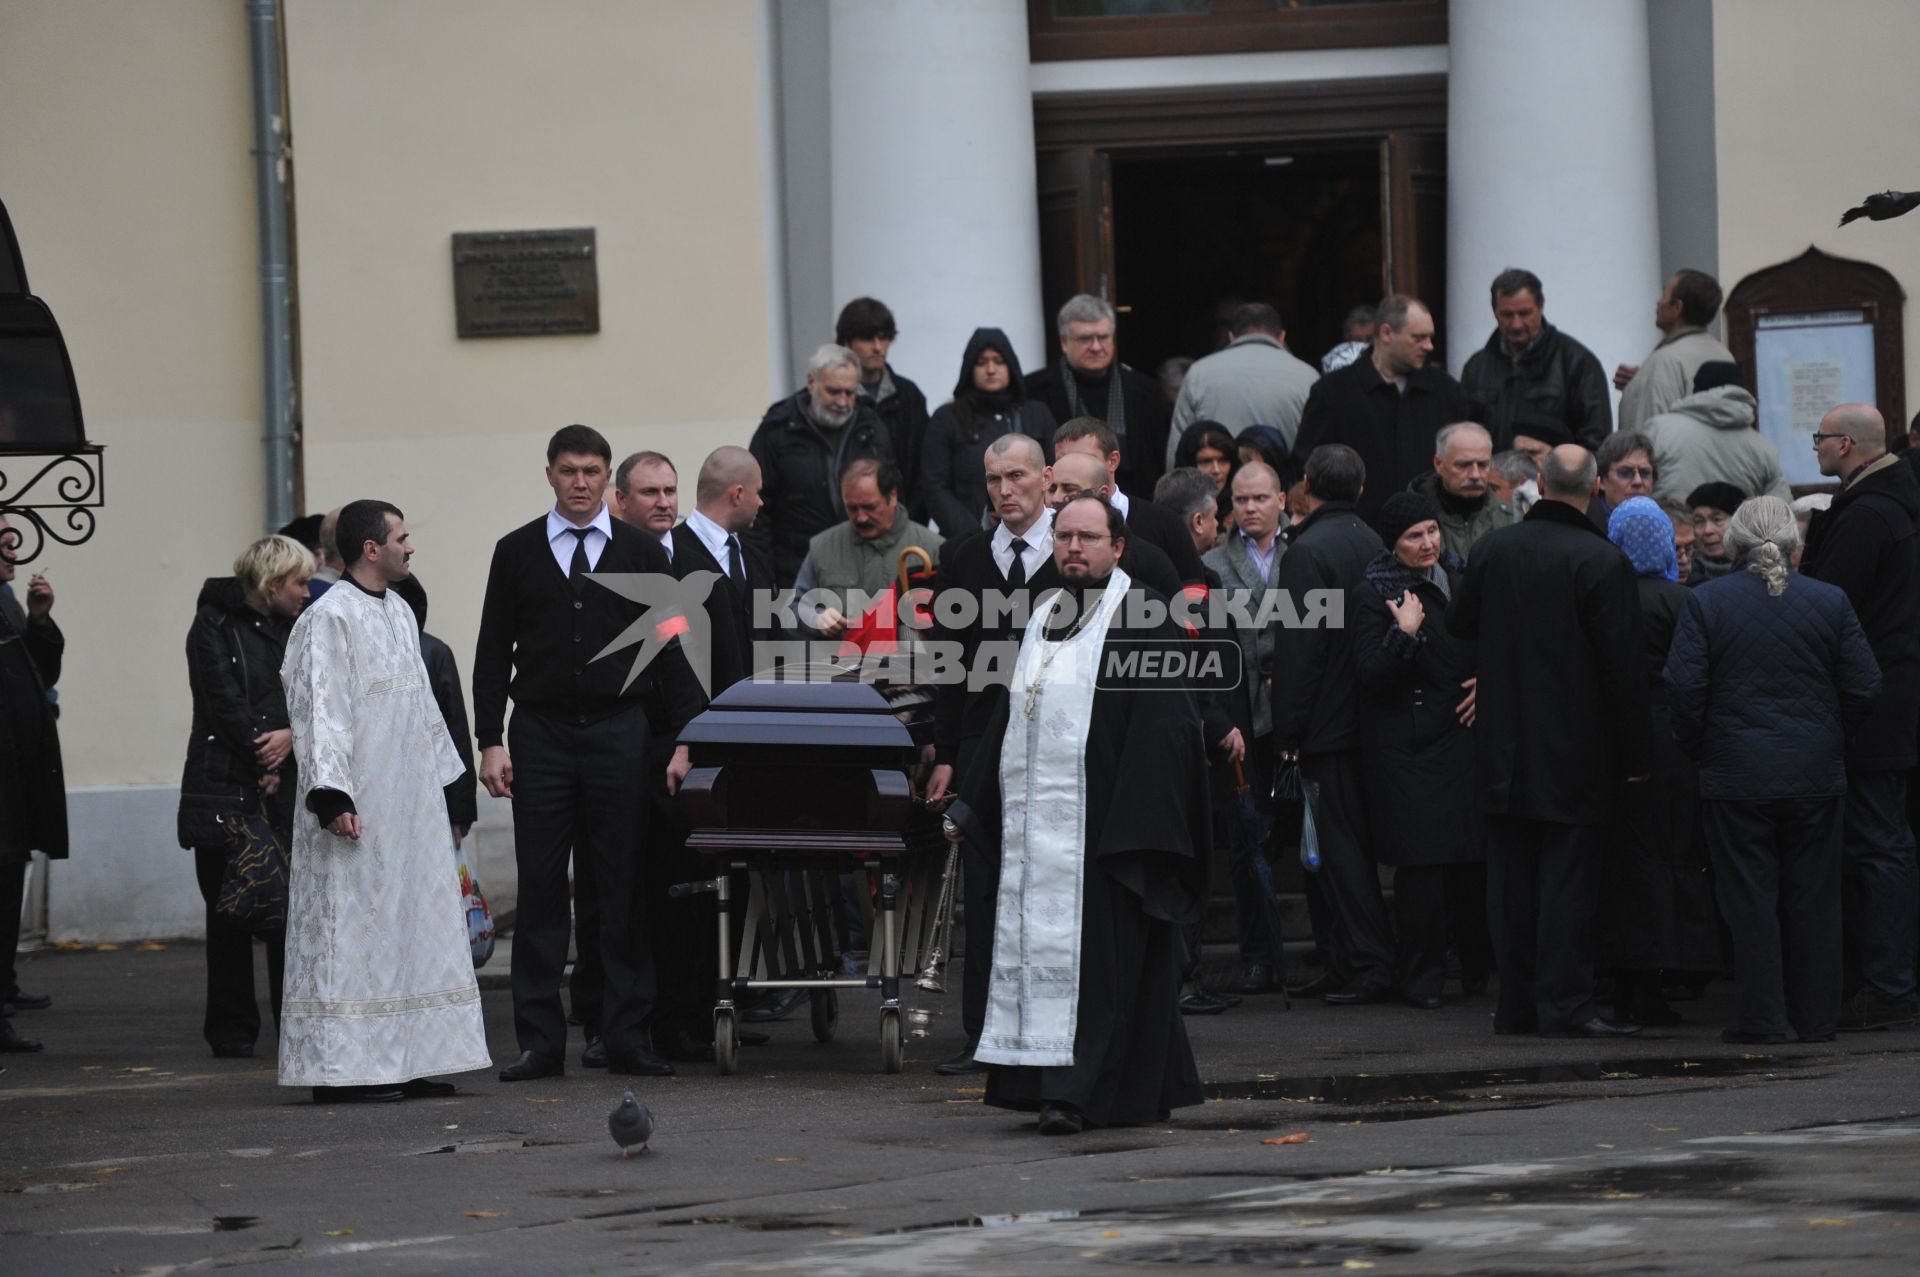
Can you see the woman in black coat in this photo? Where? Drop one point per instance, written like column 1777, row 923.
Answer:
column 1769, row 674
column 1657, row 911
column 1416, row 683
column 240, row 759
column 1208, row 447
column 989, row 400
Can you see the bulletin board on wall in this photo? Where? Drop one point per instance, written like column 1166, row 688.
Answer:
column 1812, row 333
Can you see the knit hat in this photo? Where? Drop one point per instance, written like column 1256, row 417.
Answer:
column 1717, row 496
column 1716, row 373
column 1401, row 511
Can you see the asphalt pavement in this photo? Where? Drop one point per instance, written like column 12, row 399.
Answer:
column 1369, row 1138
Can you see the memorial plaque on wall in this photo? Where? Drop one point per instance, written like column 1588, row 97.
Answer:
column 526, row 283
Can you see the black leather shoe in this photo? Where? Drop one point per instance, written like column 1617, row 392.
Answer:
column 959, row 1065
column 750, row 1037
column 639, row 1064
column 778, row 1007
column 233, row 1050
column 425, row 1088
column 595, row 1056
column 1061, row 1119
column 358, row 1095
column 531, row 1068
column 27, row 1001
column 683, row 1046
column 13, row 1043
column 1424, row 1002
column 1597, row 1027
column 1359, row 995
column 1195, row 1000
column 1230, row 999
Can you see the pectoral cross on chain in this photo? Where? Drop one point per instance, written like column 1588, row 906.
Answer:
column 1033, row 693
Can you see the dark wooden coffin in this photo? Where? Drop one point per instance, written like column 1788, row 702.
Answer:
column 809, row 769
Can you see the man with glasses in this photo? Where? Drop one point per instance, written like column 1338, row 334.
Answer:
column 1625, row 463
column 1868, row 543
column 1090, row 381
column 804, row 443
column 1092, row 790
column 1461, row 486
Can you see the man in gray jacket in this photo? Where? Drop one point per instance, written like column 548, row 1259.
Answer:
column 1248, row 560
column 1254, row 381
column 1708, row 437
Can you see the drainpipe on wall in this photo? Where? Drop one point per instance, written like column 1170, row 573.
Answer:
column 272, row 164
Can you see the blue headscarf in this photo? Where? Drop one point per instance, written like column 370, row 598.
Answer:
column 1644, row 532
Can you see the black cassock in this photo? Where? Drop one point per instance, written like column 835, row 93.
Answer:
column 1148, row 828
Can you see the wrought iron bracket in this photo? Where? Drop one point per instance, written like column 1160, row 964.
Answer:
column 56, row 499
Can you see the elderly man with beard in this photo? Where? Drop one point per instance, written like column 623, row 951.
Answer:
column 1460, row 487
column 804, row 444
column 1092, row 794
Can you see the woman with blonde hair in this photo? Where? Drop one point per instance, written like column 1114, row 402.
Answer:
column 240, row 760
column 1768, row 671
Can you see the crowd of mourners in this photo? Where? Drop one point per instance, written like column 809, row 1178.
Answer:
column 1619, row 712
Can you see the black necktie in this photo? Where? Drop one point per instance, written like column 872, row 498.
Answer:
column 1017, row 570
column 736, row 570
column 577, row 571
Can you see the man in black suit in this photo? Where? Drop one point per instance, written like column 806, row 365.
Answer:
column 579, row 738
column 1090, row 381
column 726, row 499
column 1016, row 556
column 1561, row 725
column 1316, row 715
column 1145, row 520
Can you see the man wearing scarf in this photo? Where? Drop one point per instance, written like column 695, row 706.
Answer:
column 1092, row 791
column 1090, row 381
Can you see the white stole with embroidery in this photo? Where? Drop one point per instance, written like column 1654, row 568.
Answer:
column 1033, row 998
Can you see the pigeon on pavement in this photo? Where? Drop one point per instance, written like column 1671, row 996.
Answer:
column 1881, row 207
column 631, row 1123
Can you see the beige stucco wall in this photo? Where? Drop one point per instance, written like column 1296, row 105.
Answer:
column 124, row 162
column 1813, row 110
column 412, row 121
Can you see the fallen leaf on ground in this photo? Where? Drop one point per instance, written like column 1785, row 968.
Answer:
column 106, row 948
column 970, row 1090
column 150, row 946
column 1298, row 1137
column 1828, row 1223
column 1615, row 1195
column 483, row 1214
column 789, row 1159
column 543, row 1101
column 1110, row 1232
column 339, row 1232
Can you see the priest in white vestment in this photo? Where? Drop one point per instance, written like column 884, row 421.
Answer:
column 380, row 992
column 1092, row 792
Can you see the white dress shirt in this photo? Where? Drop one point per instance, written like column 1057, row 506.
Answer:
column 560, row 538
column 714, row 537
column 1039, row 539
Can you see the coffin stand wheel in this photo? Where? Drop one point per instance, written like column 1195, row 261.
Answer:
column 726, row 1042
column 892, row 1040
column 826, row 1013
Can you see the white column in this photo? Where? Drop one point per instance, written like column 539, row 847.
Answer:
column 1550, row 166
column 934, row 205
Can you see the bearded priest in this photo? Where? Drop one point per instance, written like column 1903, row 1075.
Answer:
column 1091, row 791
